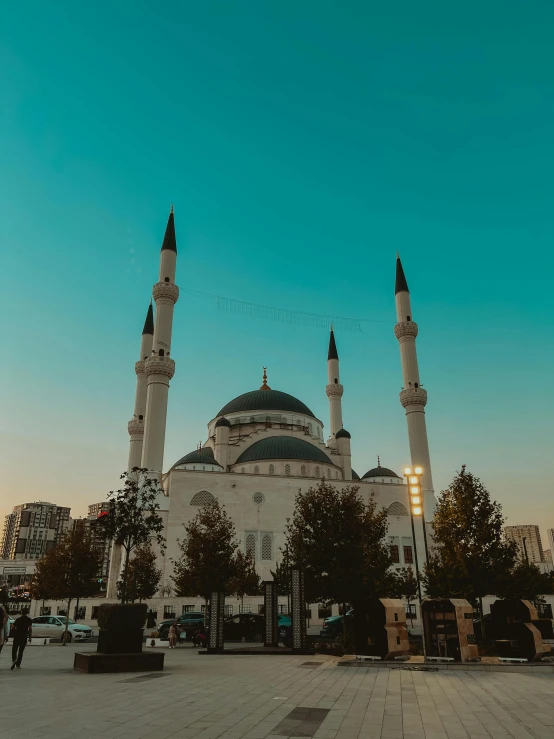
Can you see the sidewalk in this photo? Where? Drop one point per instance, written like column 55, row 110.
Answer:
column 260, row 697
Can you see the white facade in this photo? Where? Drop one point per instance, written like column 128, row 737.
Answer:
column 265, row 445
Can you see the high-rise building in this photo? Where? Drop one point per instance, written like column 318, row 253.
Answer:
column 550, row 537
column 103, row 545
column 32, row 529
column 528, row 540
column 547, row 556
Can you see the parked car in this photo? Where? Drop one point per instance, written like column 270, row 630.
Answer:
column 250, row 626
column 187, row 624
column 332, row 626
column 53, row 627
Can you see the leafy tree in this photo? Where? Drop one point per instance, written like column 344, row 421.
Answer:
column 281, row 576
column 526, row 581
column 70, row 569
column 143, row 577
column 405, row 586
column 208, row 559
column 340, row 542
column 133, row 519
column 245, row 580
column 472, row 557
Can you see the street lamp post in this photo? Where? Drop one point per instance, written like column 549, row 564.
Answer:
column 413, row 478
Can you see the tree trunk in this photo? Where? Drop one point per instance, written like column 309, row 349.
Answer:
column 344, row 622
column 125, row 571
column 77, row 610
column 64, row 635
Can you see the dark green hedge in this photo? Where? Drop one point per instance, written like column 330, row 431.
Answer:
column 121, row 616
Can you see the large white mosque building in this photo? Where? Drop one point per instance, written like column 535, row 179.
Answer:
column 266, row 444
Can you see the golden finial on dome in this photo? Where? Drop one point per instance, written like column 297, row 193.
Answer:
column 265, row 386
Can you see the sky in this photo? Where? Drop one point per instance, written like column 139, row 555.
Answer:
column 302, row 145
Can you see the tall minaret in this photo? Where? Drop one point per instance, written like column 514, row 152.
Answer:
column 136, row 424
column 413, row 397
column 334, row 390
column 160, row 368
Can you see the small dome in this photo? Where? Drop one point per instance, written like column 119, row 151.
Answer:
column 266, row 400
column 379, row 472
column 342, row 434
column 222, row 422
column 199, row 456
column 355, row 475
column 283, row 447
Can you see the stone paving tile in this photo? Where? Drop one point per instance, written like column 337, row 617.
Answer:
column 249, row 698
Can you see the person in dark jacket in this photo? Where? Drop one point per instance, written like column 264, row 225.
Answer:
column 22, row 630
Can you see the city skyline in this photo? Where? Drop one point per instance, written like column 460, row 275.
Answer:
column 295, row 181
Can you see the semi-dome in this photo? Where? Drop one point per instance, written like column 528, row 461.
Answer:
column 283, row 447
column 380, row 472
column 266, row 400
column 199, row 456
column 355, row 475
column 342, row 434
column 222, row 422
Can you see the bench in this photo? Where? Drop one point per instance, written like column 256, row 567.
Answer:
column 365, row 657
column 512, row 659
column 439, row 659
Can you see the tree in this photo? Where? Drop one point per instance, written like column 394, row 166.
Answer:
column 340, row 542
column 245, row 580
column 526, row 581
column 405, row 586
column 133, row 519
column 472, row 556
column 208, row 560
column 281, row 576
column 143, row 577
column 70, row 569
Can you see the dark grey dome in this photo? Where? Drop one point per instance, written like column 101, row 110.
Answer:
column 222, row 422
column 355, row 475
column 283, row 447
column 199, row 456
column 266, row 400
column 342, row 434
column 380, row 472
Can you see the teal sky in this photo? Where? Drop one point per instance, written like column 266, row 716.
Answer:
column 302, row 144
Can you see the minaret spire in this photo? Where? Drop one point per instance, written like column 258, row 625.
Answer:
column 160, row 367
column 334, row 390
column 413, row 397
column 149, row 323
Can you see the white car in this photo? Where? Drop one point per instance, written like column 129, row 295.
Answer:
column 54, row 627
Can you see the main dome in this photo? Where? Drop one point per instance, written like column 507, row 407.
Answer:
column 266, row 400
column 283, row 447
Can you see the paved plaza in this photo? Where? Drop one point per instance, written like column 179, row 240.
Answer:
column 264, row 696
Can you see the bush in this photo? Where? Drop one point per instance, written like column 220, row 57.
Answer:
column 122, row 616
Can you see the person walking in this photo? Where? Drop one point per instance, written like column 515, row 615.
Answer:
column 173, row 635
column 22, row 630
column 4, row 627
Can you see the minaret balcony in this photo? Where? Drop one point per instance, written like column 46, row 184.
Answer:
column 165, row 292
column 413, row 396
column 159, row 369
column 136, row 429
column 406, row 331
column 334, row 388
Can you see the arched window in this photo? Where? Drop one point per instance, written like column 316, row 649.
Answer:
column 202, row 498
column 252, row 419
column 242, row 470
column 256, row 470
column 337, row 474
column 267, row 547
column 328, row 472
column 310, row 428
column 317, row 471
column 271, row 469
column 303, row 470
column 287, row 470
column 397, row 509
column 251, row 545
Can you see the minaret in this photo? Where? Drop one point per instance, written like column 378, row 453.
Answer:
column 160, row 367
column 334, row 390
column 136, row 424
column 413, row 397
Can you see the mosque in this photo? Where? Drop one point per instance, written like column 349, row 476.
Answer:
column 266, row 444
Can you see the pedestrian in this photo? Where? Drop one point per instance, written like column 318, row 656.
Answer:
column 4, row 627
column 173, row 635
column 199, row 638
column 21, row 631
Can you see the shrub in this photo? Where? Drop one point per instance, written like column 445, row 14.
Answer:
column 122, row 616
